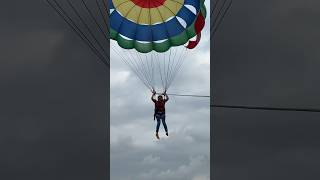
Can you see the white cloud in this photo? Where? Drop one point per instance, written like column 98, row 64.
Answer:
column 149, row 160
column 201, row 177
column 118, row 78
column 184, row 171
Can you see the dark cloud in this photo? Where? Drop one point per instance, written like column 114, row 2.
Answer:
column 266, row 54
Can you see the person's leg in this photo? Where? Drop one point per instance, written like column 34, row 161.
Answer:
column 165, row 124
column 158, row 126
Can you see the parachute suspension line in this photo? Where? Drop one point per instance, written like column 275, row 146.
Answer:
column 178, row 65
column 126, row 62
column 104, row 34
column 104, row 4
column 170, row 70
column 91, row 43
column 214, row 7
column 167, row 82
column 146, row 65
column 168, row 65
column 219, row 21
column 219, row 14
column 138, row 68
column 102, row 16
column 141, row 69
column 131, row 65
column 164, row 71
column 187, row 95
column 145, row 68
column 152, row 70
column 163, row 67
column 87, row 26
column 222, row 11
column 153, row 77
column 160, row 71
column 148, row 62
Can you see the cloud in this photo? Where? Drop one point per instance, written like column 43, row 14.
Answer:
column 201, row 177
column 185, row 171
column 119, row 78
column 150, row 160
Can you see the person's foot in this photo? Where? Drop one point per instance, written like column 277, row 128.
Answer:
column 157, row 135
column 167, row 133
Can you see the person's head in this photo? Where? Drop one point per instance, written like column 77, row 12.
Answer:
column 160, row 98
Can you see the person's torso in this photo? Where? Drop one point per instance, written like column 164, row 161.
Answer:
column 160, row 106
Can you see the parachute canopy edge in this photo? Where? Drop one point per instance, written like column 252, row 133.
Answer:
column 159, row 37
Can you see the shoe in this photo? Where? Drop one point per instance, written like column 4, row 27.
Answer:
column 157, row 135
column 167, row 133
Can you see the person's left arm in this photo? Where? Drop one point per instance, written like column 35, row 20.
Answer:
column 166, row 96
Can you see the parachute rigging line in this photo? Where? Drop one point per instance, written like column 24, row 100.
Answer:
column 102, row 16
column 86, row 26
column 153, row 67
column 105, row 35
column 218, row 13
column 265, row 108
column 185, row 95
column 86, row 34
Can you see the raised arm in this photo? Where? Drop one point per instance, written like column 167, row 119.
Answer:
column 166, row 96
column 153, row 94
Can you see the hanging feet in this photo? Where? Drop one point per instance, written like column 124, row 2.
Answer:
column 158, row 137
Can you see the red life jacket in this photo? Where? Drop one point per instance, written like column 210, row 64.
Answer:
column 159, row 106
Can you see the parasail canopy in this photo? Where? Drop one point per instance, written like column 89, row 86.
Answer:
column 147, row 25
column 151, row 36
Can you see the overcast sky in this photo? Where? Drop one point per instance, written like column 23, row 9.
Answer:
column 185, row 155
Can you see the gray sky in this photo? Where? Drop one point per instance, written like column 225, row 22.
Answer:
column 185, row 155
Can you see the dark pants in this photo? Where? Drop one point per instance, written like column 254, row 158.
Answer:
column 161, row 117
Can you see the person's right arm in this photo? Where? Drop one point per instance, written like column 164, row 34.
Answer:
column 153, row 94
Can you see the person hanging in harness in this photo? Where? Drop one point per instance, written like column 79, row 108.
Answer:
column 160, row 111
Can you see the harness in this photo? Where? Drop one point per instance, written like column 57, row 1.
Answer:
column 157, row 112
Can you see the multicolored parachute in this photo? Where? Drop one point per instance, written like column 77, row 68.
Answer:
column 147, row 25
column 151, row 36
